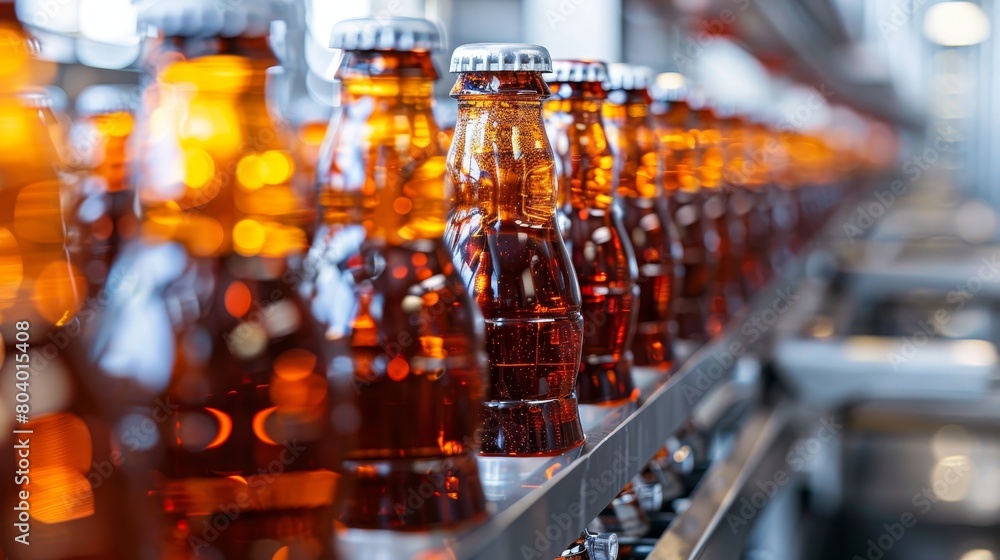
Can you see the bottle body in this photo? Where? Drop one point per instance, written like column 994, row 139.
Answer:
column 511, row 256
column 726, row 205
column 650, row 228
column 399, row 318
column 595, row 237
column 678, row 151
column 231, row 418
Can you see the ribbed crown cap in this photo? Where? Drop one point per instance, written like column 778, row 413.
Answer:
column 578, row 71
column 386, row 34
column 206, row 18
column 628, row 77
column 502, row 57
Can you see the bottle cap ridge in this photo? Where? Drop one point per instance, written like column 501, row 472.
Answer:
column 205, row 18
column 386, row 34
column 628, row 77
column 500, row 57
column 578, row 71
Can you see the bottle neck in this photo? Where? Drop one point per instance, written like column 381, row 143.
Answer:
column 500, row 162
column 678, row 147
column 214, row 174
column 393, row 79
column 628, row 113
column 387, row 166
column 576, row 128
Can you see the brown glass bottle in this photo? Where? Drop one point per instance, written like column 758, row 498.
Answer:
column 103, row 215
column 64, row 497
column 647, row 221
column 509, row 251
column 727, row 253
column 398, row 315
column 593, row 229
column 678, row 134
column 739, row 201
column 751, row 203
column 230, row 413
column 767, row 155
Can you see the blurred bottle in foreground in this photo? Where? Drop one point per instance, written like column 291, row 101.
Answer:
column 647, row 219
column 593, row 230
column 64, row 498
column 230, row 417
column 503, row 231
column 398, row 317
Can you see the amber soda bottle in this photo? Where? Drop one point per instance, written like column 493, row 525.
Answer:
column 64, row 498
column 502, row 229
column 397, row 314
column 230, row 414
column 646, row 214
column 746, row 170
column 676, row 128
column 593, row 229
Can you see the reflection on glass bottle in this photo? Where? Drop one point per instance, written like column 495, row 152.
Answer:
column 510, row 254
column 593, row 230
column 228, row 412
column 647, row 218
column 64, row 496
column 103, row 216
column 680, row 161
column 399, row 318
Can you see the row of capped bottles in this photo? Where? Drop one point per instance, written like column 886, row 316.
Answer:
column 234, row 364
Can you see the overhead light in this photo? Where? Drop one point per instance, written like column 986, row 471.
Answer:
column 956, row 24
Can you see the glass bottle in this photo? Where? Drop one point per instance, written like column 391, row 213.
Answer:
column 751, row 203
column 64, row 497
column 593, row 229
column 724, row 289
column 680, row 161
column 502, row 230
column 103, row 215
column 230, row 417
column 647, row 218
column 396, row 312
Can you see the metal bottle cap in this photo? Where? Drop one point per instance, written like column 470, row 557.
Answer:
column 205, row 18
column 628, row 77
column 386, row 34
column 578, row 71
column 603, row 546
column 500, row 57
column 103, row 99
